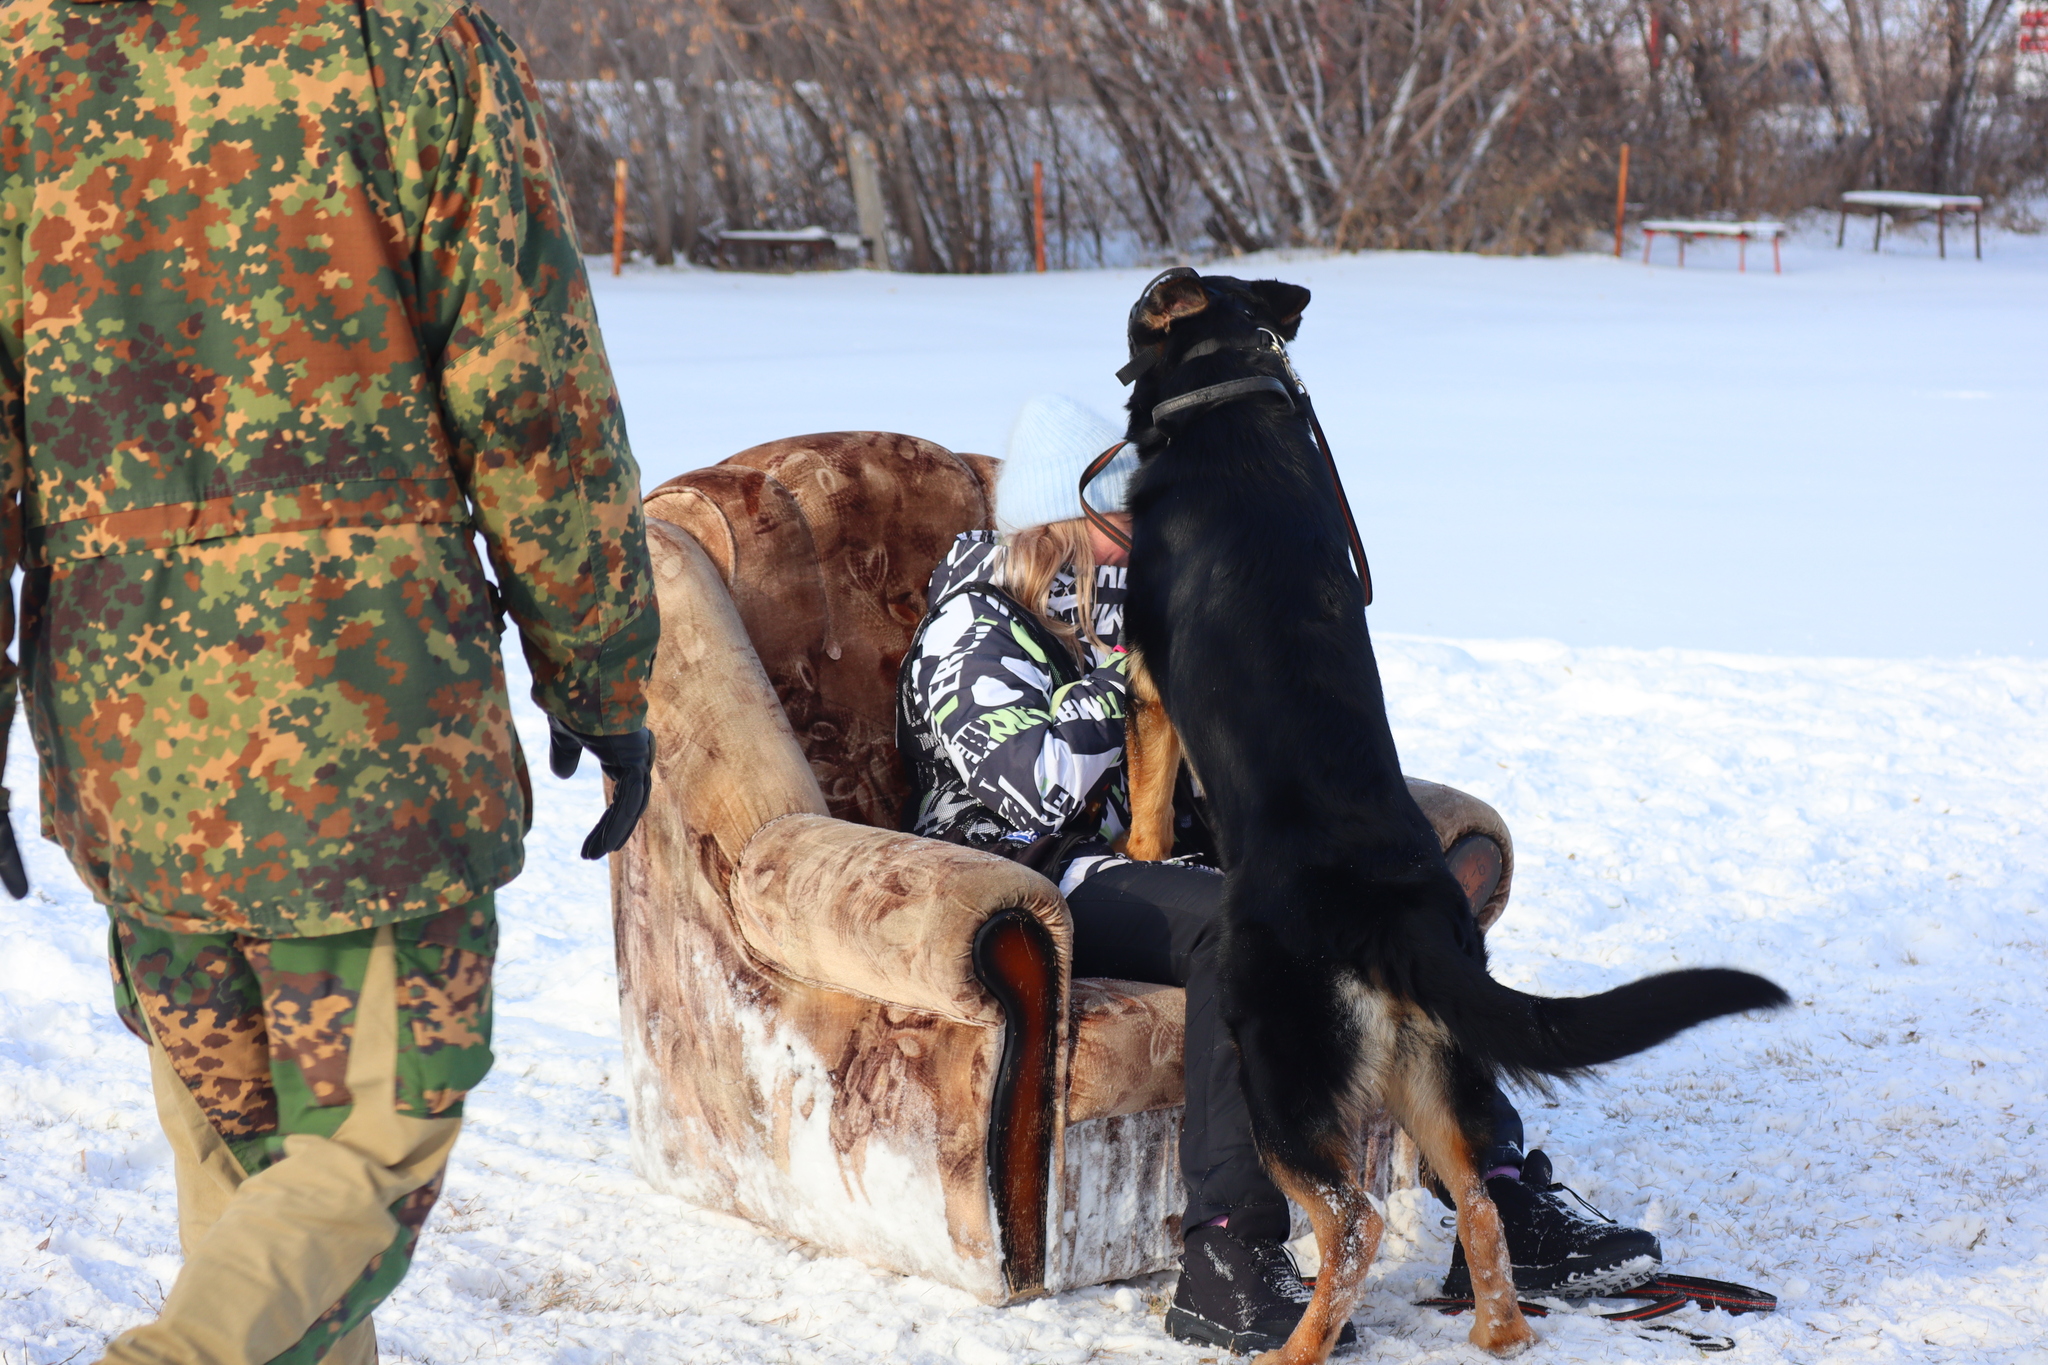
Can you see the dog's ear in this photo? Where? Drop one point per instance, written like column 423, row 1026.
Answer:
column 1176, row 296
column 1285, row 302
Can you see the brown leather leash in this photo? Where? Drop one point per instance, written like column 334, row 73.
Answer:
column 1116, row 534
column 1095, row 518
column 1343, row 503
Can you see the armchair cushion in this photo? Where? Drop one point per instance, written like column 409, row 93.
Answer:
column 1127, row 1044
column 886, row 916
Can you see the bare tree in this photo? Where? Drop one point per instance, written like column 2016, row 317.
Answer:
column 1176, row 127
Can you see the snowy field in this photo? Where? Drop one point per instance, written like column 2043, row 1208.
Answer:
column 1846, row 459
column 1726, row 590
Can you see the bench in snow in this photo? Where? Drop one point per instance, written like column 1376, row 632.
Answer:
column 1940, row 205
column 1685, row 229
column 821, row 243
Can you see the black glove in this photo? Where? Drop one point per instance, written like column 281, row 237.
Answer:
column 628, row 760
column 11, row 874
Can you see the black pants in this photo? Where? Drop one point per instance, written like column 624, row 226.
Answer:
column 1160, row 923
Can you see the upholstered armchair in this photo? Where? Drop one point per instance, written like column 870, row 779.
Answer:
column 854, row 1036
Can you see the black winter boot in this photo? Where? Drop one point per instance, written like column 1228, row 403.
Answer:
column 1241, row 1294
column 1556, row 1249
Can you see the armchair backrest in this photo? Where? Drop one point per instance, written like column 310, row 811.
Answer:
column 826, row 544
column 725, row 760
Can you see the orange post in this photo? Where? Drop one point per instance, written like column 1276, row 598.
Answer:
column 618, row 215
column 1038, row 214
column 1620, row 200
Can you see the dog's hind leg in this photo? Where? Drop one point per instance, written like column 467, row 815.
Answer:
column 1151, row 765
column 1347, row 1229
column 1498, row 1325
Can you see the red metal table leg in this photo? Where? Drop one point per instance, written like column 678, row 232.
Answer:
column 1776, row 267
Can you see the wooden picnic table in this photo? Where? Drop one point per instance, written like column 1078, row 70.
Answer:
column 1685, row 229
column 1940, row 205
column 819, row 242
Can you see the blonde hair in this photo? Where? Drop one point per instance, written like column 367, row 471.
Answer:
column 1036, row 556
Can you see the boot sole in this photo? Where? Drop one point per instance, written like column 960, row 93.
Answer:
column 1182, row 1325
column 1569, row 1280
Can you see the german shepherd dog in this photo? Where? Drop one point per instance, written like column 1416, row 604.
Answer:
column 1353, row 973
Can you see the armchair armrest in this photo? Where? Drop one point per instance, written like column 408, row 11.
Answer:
column 1461, row 821
column 891, row 917
column 935, row 928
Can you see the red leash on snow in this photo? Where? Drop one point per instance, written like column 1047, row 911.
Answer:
column 1661, row 1295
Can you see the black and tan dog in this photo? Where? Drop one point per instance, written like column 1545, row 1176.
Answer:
column 1353, row 971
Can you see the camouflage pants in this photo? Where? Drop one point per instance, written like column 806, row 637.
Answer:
column 312, row 1089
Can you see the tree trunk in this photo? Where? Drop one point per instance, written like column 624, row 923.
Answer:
column 1283, row 160
column 1871, row 86
column 909, row 206
column 661, row 188
column 1965, row 52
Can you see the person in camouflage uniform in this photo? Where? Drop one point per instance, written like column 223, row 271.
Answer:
column 291, row 309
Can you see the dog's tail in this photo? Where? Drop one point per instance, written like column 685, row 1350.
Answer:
column 1532, row 1037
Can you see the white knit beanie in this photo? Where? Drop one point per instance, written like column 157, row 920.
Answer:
column 1052, row 442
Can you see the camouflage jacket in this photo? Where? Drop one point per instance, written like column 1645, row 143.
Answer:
column 291, row 309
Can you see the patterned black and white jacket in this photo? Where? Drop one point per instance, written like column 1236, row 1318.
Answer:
column 1008, row 738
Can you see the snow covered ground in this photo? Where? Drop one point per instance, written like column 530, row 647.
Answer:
column 1845, row 459
column 1660, row 469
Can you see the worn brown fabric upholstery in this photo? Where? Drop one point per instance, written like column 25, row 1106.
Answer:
column 723, row 748
column 890, row 917
column 857, row 1126
column 1127, row 1046
column 826, row 543
column 1455, row 814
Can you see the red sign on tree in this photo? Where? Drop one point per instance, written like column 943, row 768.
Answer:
column 2034, row 30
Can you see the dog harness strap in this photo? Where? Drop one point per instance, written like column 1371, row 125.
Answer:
column 1216, row 395
column 1295, row 393
column 1145, row 359
column 1095, row 518
column 1139, row 363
